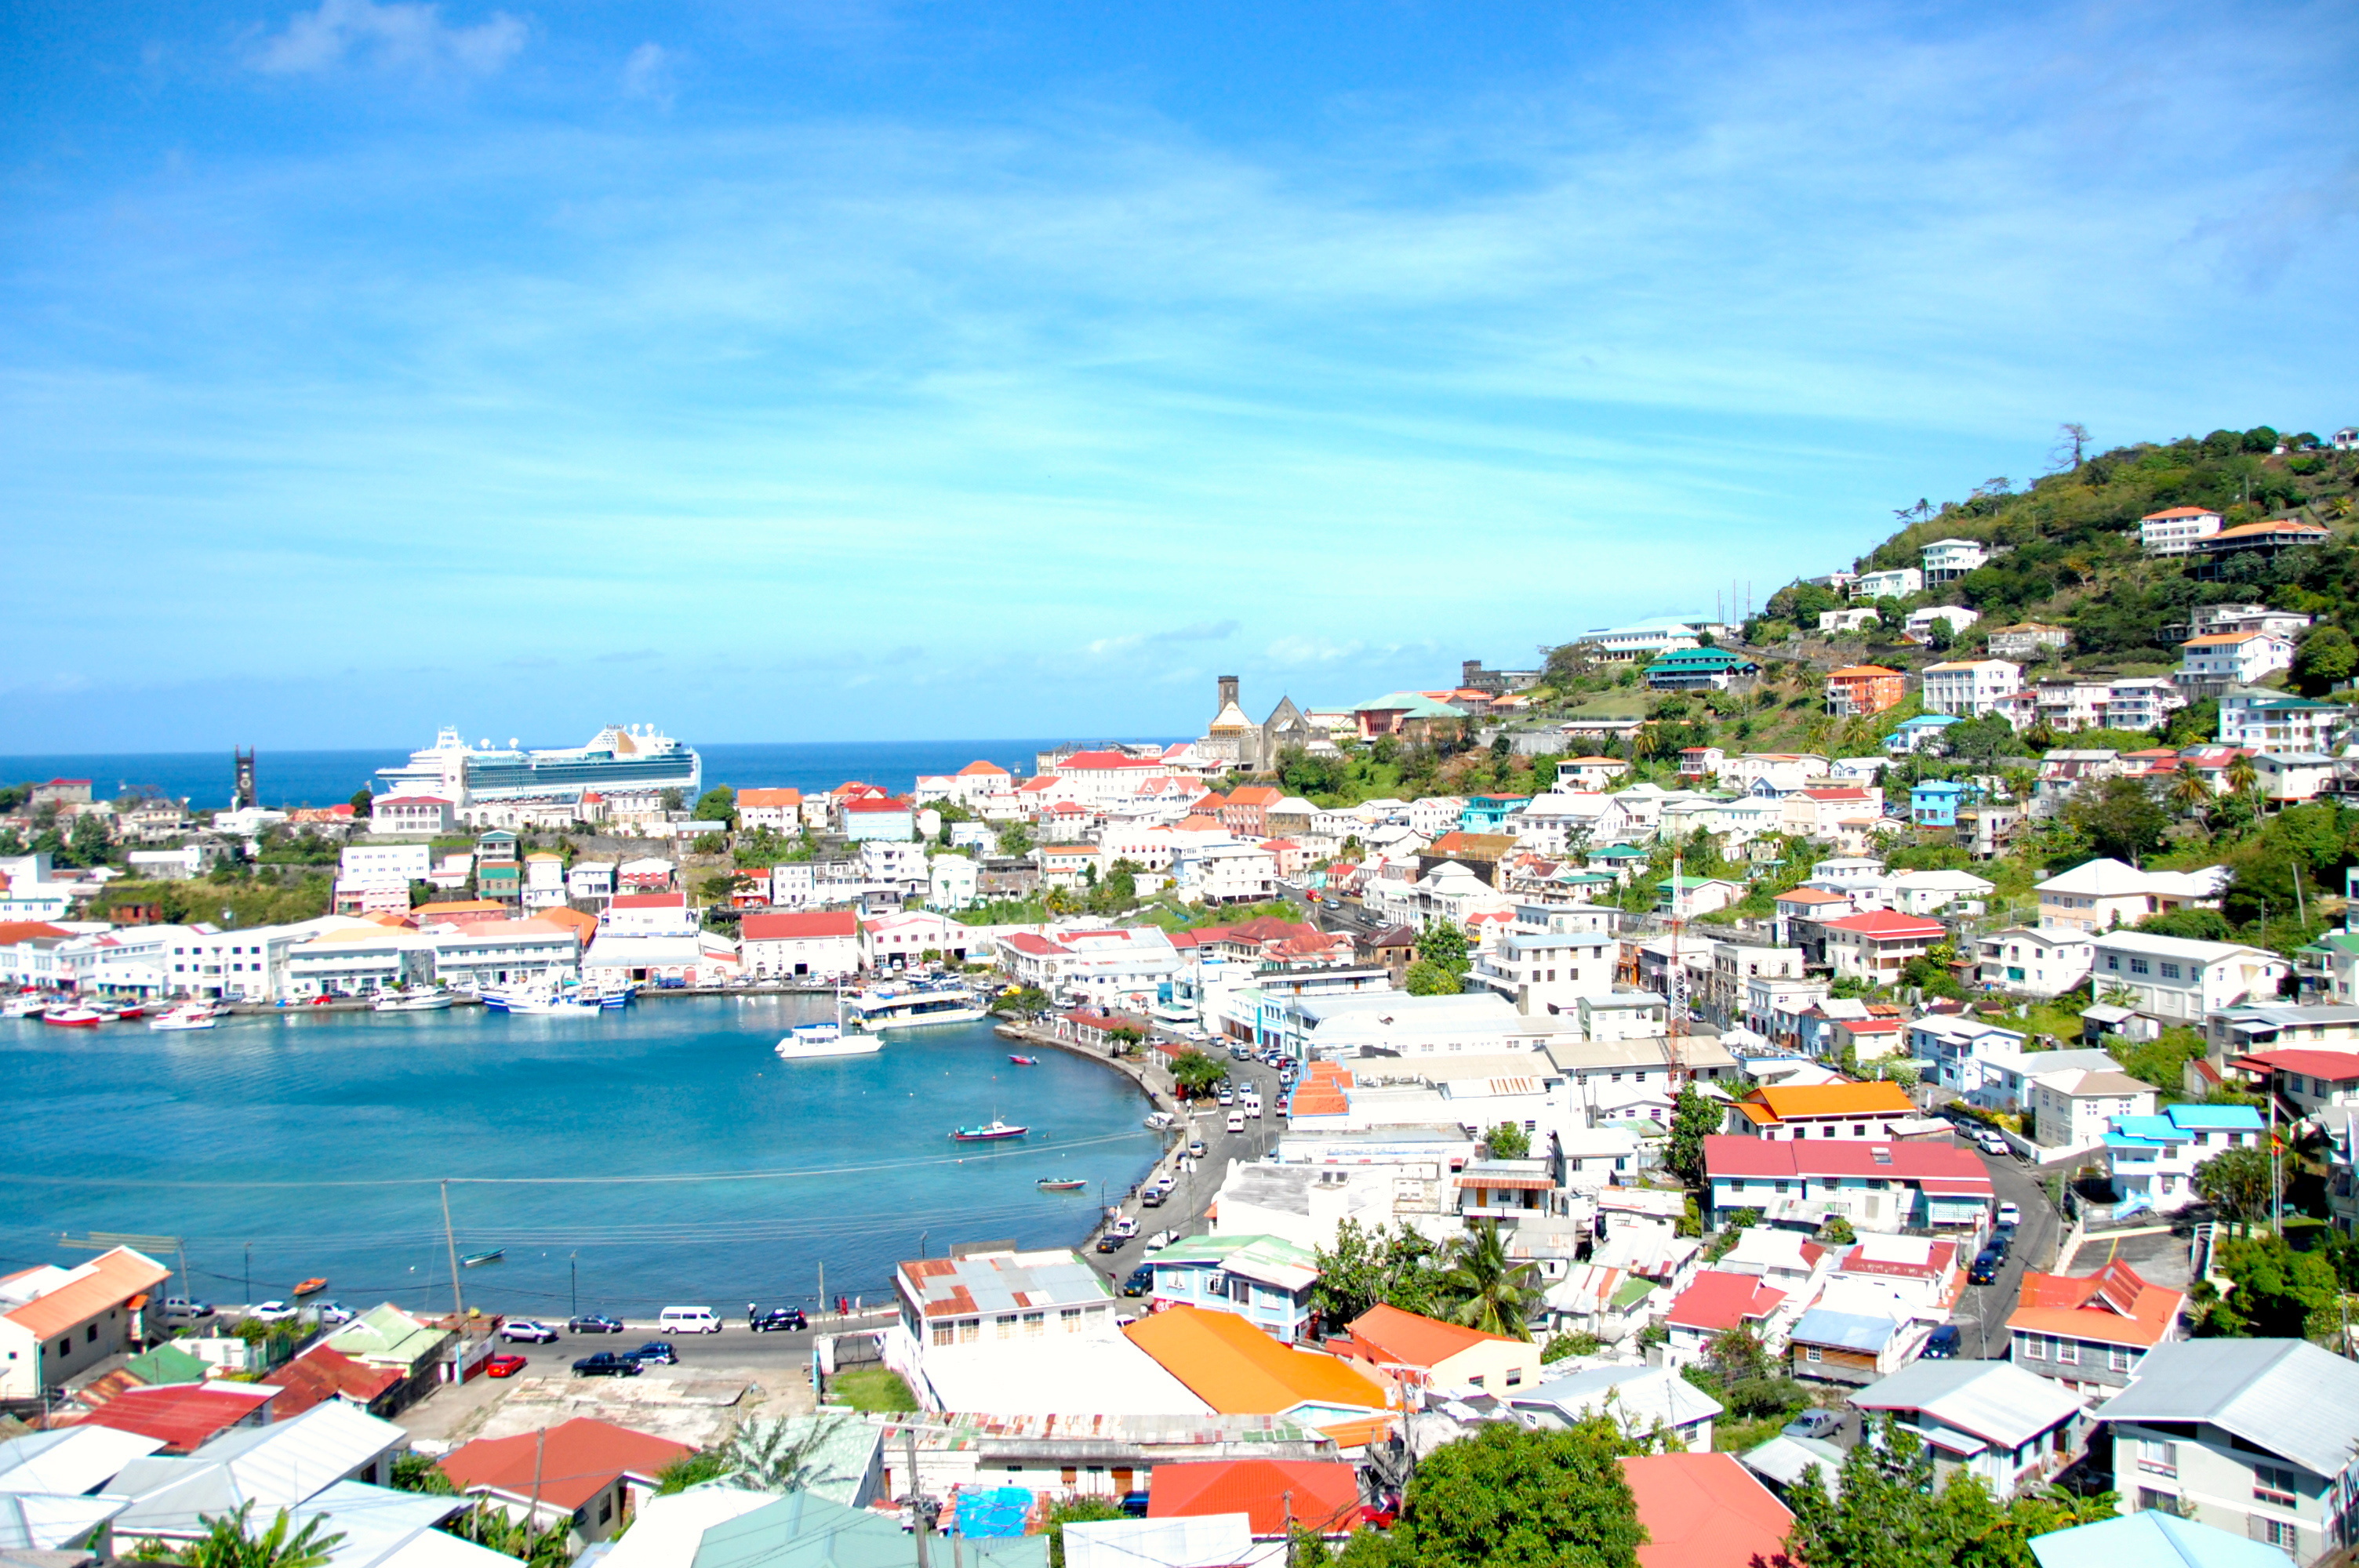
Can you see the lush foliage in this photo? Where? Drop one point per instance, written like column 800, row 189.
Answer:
column 1508, row 1141
column 1490, row 1292
column 1694, row 1117
column 230, row 1540
column 1196, row 1073
column 2241, row 1184
column 1081, row 1509
column 1396, row 1267
column 1889, row 1514
column 1510, row 1497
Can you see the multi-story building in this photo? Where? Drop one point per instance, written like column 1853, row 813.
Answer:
column 778, row 810
column 1947, row 560
column 2028, row 639
column 1898, row 582
column 963, row 1312
column 1549, row 972
column 2100, row 894
column 61, row 1323
column 2141, row 702
column 2073, row 1108
column 495, row 953
column 814, row 945
column 1266, row 1280
column 2091, row 1333
column 1860, row 690
column 2173, row 531
column 2178, row 977
column 2283, row 623
column 411, row 813
column 1874, row 1185
column 1987, row 1419
column 2210, row 665
column 2151, row 1160
column 2256, row 1437
column 1103, row 966
column 2033, row 960
column 1970, row 687
column 2266, row 721
column 1876, row 945
column 1816, row 1111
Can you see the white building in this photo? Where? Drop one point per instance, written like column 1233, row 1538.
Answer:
column 544, row 880
column 649, row 914
column 2221, row 659
column 411, row 813
column 2100, row 894
column 2141, row 702
column 2072, row 1109
column 960, row 1317
column 591, row 882
column 2177, row 978
column 1103, row 966
column 2175, row 531
column 1229, row 871
column 360, row 960
column 496, row 953
column 1947, row 560
column 380, row 864
column 1549, row 972
column 815, row 944
column 1898, row 583
column 1919, row 624
column 2272, row 720
column 2151, row 1160
column 697, row 958
column 951, row 881
column 2033, row 960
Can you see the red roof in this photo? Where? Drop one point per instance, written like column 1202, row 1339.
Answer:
column 747, row 798
column 321, row 1374
column 181, row 1415
column 386, row 800
column 1321, row 1495
column 1108, row 759
column 981, row 770
column 569, row 1464
column 877, row 802
column 1810, row 895
column 2336, row 1067
column 1718, row 1301
column 1705, row 1510
column 1843, row 795
column 650, row 900
column 2115, row 1305
column 1727, row 1154
column 1413, row 1340
column 789, row 927
column 14, row 930
column 2172, row 512
column 1883, row 923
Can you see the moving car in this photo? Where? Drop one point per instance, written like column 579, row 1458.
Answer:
column 1141, row 1280
column 1819, row 1425
column 524, row 1331
column 1944, row 1345
column 1195, row 1148
column 654, row 1353
column 1155, row 1197
column 688, row 1320
column 1236, row 1121
column 777, row 1320
column 1985, row 1268
column 507, row 1364
column 2010, row 1215
column 605, row 1364
column 596, row 1323
column 1110, row 1242
column 1125, row 1228
column 1992, row 1144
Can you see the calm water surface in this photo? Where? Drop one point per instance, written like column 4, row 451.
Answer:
column 663, row 1150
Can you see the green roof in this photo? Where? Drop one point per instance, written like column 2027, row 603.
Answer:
column 1221, row 1249
column 386, row 1334
column 164, row 1364
column 1633, row 1292
column 1699, row 659
column 1618, row 852
column 1415, row 703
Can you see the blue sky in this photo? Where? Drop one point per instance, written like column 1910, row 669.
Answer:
column 862, row 369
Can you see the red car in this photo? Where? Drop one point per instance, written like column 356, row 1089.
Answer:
column 506, row 1365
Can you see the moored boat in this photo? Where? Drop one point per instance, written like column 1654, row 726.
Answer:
column 913, row 1004
column 1023, row 1060
column 74, row 1017
column 473, row 1260
column 196, row 1015
column 311, row 1287
column 413, row 1002
column 822, row 1041
column 1067, row 1184
column 989, row 1131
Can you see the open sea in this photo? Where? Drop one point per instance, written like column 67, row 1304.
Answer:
column 324, row 778
column 659, row 1156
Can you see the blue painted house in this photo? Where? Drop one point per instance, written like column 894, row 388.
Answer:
column 1935, row 802
column 1490, row 812
column 1264, row 1280
column 1920, row 733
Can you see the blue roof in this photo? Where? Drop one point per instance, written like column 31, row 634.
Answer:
column 1843, row 1330
column 1929, row 721
column 2152, row 1539
column 2129, row 1130
column 2213, row 1118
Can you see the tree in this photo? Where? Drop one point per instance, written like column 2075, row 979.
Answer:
column 2239, row 1183
column 2122, row 818
column 1366, row 1267
column 2190, row 792
column 1444, row 944
column 418, row 1472
column 2278, row 1293
column 1508, row 1141
column 230, row 1542
column 2071, row 440
column 489, row 1526
column 1494, row 1293
column 1979, row 740
column 1889, row 1514
column 1511, row 1498
column 2325, row 660
column 1195, row 1074
column 718, row 803
column 1695, row 1116
column 1081, row 1510
column 2243, row 779
column 1426, row 977
column 1015, row 840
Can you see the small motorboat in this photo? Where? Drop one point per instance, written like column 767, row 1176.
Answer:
column 27, row 1004
column 1065, row 1185
column 128, row 1009
column 476, row 1259
column 552, row 1007
column 413, row 1002
column 1023, row 1060
column 988, row 1132
column 311, row 1287
column 196, row 1016
column 74, row 1017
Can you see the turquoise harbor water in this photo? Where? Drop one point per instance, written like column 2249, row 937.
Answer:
column 664, row 1151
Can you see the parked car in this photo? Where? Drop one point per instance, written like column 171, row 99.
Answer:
column 1195, row 1148
column 270, row 1312
column 1125, row 1228
column 507, row 1364
column 2010, row 1215
column 1944, row 1345
column 1165, row 1182
column 1992, row 1144
column 525, row 1331
column 1134, row 1505
column 654, row 1353
column 1155, row 1197
column 334, row 1312
column 1986, row 1267
column 777, row 1320
column 2002, row 1241
column 596, row 1323
column 180, row 1309
column 605, row 1364
column 1141, row 1280
column 1227, row 1096
column 1815, row 1423
column 1110, row 1242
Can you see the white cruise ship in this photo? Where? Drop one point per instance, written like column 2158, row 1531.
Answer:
column 913, row 1004
column 619, row 757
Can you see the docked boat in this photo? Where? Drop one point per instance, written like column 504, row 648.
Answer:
column 196, row 1015
column 31, row 1005
column 74, row 1017
column 1069, row 1184
column 913, row 1004
column 475, row 1259
column 311, row 1287
column 609, row 998
column 552, row 1007
column 989, row 1132
column 825, row 1042
column 413, row 1002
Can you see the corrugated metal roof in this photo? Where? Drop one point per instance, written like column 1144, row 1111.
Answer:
column 1843, row 1331
column 2286, row 1395
column 1995, row 1400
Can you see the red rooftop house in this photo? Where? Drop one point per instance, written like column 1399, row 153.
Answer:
column 823, row 943
column 2091, row 1334
column 1427, row 1353
column 593, row 1474
column 1321, row 1496
column 183, row 1417
column 1705, row 1510
column 1876, row 945
column 1856, row 691
column 1715, row 1304
column 1882, row 1186
column 321, row 1374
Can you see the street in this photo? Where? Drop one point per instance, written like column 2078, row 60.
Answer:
column 1184, row 1212
column 1982, row 1313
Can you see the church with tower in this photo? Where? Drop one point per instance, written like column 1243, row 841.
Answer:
column 1250, row 747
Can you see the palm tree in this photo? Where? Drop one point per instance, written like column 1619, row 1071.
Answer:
column 1494, row 1294
column 2242, row 778
column 2190, row 794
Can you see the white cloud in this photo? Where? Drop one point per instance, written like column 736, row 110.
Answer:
column 401, row 35
column 649, row 75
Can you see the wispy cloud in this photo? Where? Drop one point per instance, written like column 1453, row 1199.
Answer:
column 400, row 35
column 650, row 75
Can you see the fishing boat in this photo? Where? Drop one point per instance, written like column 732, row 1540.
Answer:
column 474, row 1260
column 431, row 1000
column 1067, row 1184
column 1023, row 1060
column 74, row 1017
column 128, row 1009
column 195, row 1015
column 989, row 1131
column 609, row 998
column 311, row 1287
column 913, row 1004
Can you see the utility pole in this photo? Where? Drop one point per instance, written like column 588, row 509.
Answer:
column 573, row 1272
column 451, row 1240
column 249, row 1273
column 540, row 1446
column 922, row 1511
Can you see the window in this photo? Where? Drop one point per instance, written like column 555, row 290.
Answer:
column 1035, row 1324
column 2139, row 966
column 2120, row 1359
column 2169, row 970
column 942, row 1334
column 1005, row 1324
column 2068, row 1352
column 2162, row 1458
column 969, row 1330
column 1812, row 1353
column 2276, row 1485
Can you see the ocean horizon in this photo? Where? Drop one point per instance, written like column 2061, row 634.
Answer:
column 295, row 778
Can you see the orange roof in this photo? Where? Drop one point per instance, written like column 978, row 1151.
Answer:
column 387, row 918
column 1414, row 1340
column 2170, row 512
column 1239, row 1370
column 83, row 1292
column 977, row 769
column 569, row 1463
column 14, row 930
column 1860, row 672
column 2274, row 525
column 1321, row 1495
column 584, row 926
column 1256, row 794
column 1705, row 1510
column 1322, row 1091
column 1829, row 1099
column 747, row 798
column 2115, row 1305
column 460, row 906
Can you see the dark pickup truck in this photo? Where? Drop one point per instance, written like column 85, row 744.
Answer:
column 606, row 1364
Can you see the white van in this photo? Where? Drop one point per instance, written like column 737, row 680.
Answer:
column 1251, row 1105
column 1236, row 1121
column 689, row 1320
